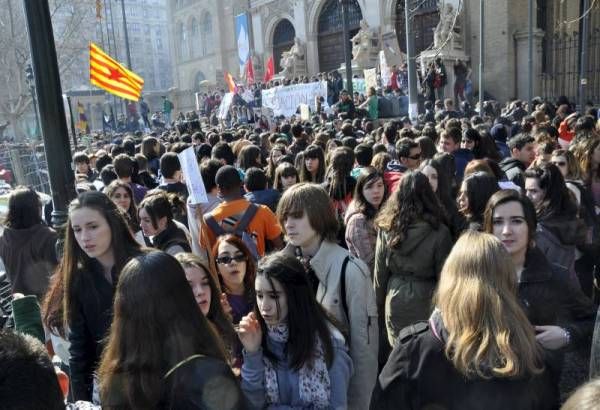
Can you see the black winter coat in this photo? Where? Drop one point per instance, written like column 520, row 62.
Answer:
column 549, row 297
column 202, row 383
column 90, row 318
column 418, row 375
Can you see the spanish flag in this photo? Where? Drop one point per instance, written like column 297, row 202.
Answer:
column 108, row 74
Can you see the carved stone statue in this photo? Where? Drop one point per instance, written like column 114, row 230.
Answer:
column 444, row 27
column 364, row 47
column 293, row 61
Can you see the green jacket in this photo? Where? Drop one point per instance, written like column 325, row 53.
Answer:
column 27, row 316
column 405, row 277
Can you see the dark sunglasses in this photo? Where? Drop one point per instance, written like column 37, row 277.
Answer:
column 226, row 260
column 416, row 156
column 559, row 163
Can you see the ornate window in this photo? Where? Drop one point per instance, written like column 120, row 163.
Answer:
column 195, row 38
column 426, row 18
column 331, row 50
column 207, row 42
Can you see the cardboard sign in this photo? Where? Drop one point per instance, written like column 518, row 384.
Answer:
column 193, row 179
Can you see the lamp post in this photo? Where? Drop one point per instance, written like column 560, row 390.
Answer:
column 481, row 55
column 347, row 50
column 410, row 58
column 52, row 112
column 530, row 57
column 29, row 78
column 583, row 63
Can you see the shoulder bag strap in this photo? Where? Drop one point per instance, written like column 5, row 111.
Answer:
column 343, row 288
column 246, row 218
column 181, row 363
column 214, row 226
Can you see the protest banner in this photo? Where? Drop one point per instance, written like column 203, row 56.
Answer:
column 285, row 100
column 370, row 78
column 192, row 176
column 224, row 107
column 358, row 85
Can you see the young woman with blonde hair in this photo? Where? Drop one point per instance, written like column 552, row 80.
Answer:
column 478, row 350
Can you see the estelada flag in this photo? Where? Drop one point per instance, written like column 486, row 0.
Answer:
column 230, row 83
column 110, row 75
column 249, row 72
column 270, row 72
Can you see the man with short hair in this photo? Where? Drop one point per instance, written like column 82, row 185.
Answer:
column 257, row 189
column 363, row 154
column 450, row 142
column 124, row 169
column 170, row 169
column 263, row 226
column 300, row 143
column 522, row 154
column 83, row 167
column 409, row 158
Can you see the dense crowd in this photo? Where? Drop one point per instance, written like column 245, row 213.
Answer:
column 340, row 262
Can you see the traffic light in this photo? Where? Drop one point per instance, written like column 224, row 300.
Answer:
column 29, row 72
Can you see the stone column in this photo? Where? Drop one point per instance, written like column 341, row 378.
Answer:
column 522, row 62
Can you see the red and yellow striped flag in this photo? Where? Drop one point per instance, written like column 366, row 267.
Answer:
column 108, row 74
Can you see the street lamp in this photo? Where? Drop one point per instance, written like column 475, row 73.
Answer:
column 30, row 80
column 346, row 41
column 52, row 111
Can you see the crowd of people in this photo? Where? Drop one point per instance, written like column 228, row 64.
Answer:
column 338, row 263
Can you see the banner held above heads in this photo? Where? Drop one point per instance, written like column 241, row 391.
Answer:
column 224, row 107
column 110, row 75
column 285, row 100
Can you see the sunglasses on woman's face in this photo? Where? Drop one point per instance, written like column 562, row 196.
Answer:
column 559, row 163
column 226, row 260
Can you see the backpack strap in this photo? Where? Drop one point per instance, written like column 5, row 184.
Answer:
column 214, row 226
column 246, row 218
column 181, row 363
column 343, row 287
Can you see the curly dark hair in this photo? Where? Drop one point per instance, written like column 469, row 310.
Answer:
column 414, row 200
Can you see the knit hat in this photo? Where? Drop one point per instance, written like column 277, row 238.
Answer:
column 498, row 133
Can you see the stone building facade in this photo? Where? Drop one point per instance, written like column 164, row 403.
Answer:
column 204, row 41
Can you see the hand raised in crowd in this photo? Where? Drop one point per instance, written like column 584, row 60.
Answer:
column 551, row 337
column 225, row 304
column 250, row 333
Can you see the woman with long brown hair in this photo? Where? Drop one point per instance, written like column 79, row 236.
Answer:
column 161, row 352
column 412, row 244
column 478, row 350
column 98, row 243
column 212, row 302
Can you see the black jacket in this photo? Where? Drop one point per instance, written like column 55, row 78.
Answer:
column 202, row 383
column 418, row 375
column 513, row 168
column 171, row 237
column 549, row 297
column 89, row 321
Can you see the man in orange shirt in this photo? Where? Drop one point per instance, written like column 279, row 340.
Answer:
column 263, row 226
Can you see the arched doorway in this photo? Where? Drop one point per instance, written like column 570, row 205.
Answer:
column 283, row 40
column 331, row 50
column 198, row 78
column 426, row 19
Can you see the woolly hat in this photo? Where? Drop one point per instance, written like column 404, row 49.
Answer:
column 498, row 132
